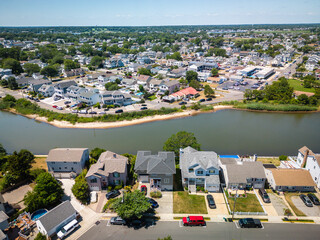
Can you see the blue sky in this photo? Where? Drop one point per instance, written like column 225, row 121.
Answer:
column 156, row 12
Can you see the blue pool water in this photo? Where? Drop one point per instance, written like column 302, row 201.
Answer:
column 38, row 214
column 229, row 156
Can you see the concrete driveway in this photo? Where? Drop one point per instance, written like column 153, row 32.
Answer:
column 165, row 203
column 278, row 204
column 309, row 211
column 17, row 195
column 271, row 211
column 220, row 204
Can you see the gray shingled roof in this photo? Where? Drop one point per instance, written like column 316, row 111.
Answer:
column 65, row 154
column 3, row 216
column 240, row 172
column 2, row 235
column 57, row 215
column 163, row 163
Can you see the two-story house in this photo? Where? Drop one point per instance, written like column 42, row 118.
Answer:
column 73, row 92
column 110, row 169
column 116, row 98
column 171, row 86
column 67, row 162
column 199, row 169
column 60, row 88
column 46, row 90
column 157, row 169
column 90, row 97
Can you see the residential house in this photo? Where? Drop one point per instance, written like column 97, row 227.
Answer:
column 157, row 169
column 133, row 67
column 243, row 175
column 116, row 98
column 189, row 92
column 310, row 161
column 35, row 84
column 46, row 90
column 199, row 169
column 3, row 220
column 60, row 88
column 177, row 73
column 5, row 71
column 73, row 72
column 143, row 80
column 73, row 92
column 110, row 169
column 113, row 63
column 154, row 84
column 290, row 179
column 128, row 82
column 23, row 81
column 171, row 86
column 90, row 97
column 66, row 162
column 51, row 223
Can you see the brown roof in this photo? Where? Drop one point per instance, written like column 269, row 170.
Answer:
column 65, row 154
column 143, row 78
column 292, row 177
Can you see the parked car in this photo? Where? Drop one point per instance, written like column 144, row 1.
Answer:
column 211, row 202
column 153, row 203
column 143, row 108
column 254, row 86
column 68, row 229
column 143, row 105
column 193, row 221
column 225, row 88
column 92, row 112
column 117, row 221
column 113, row 194
column 75, row 111
column 93, row 196
column 144, row 189
column 60, row 108
column 119, row 111
column 67, row 102
column 137, row 223
column 209, row 99
column 313, row 199
column 202, row 100
column 182, row 103
column 102, row 112
column 83, row 111
column 306, row 200
column 250, row 223
column 264, row 195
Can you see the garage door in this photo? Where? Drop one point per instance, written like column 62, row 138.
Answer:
column 213, row 188
column 258, row 185
column 95, row 188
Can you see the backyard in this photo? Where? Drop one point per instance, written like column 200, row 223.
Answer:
column 269, row 160
column 40, row 162
column 297, row 85
column 183, row 202
column 250, row 203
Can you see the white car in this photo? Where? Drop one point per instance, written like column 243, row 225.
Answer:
column 93, row 197
column 68, row 229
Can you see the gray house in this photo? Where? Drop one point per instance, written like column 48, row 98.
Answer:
column 50, row 223
column 67, row 162
column 244, row 175
column 110, row 169
column 157, row 169
column 199, row 168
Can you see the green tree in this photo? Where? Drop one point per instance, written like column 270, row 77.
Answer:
column 97, row 61
column 165, row 238
column 80, row 189
column 12, row 64
column 179, row 140
column 40, row 237
column 208, row 91
column 195, row 84
column 144, row 71
column 175, row 56
column 191, row 75
column 31, row 68
column 279, row 90
column 313, row 100
column 12, row 83
column 220, row 52
column 214, row 72
column 49, row 71
column 46, row 193
column 303, row 99
column 96, row 152
column 19, row 164
column 72, row 50
column 111, row 86
column 69, row 64
column 132, row 205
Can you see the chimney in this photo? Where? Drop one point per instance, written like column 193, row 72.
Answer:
column 305, row 158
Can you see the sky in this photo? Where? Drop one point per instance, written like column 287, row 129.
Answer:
column 156, row 12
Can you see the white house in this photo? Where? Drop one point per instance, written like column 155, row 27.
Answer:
column 50, row 223
column 46, row 90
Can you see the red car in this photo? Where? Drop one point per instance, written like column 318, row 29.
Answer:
column 143, row 188
column 193, row 221
column 54, row 106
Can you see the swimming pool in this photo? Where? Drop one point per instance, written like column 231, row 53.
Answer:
column 38, row 214
column 229, row 156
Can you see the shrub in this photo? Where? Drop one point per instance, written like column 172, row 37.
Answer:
column 183, row 107
column 283, row 157
column 36, row 172
column 156, row 194
column 108, row 205
column 109, row 188
column 186, row 188
column 118, row 187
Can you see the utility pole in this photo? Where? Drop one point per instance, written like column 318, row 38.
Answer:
column 234, row 204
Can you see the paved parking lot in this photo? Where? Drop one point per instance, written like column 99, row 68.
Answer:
column 230, row 85
column 309, row 211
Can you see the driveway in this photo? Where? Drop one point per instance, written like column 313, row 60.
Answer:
column 278, row 204
column 17, row 195
column 271, row 211
column 309, row 211
column 220, row 204
column 165, row 203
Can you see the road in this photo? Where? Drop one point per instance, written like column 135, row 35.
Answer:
column 223, row 231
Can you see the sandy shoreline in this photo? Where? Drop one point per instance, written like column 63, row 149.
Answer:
column 125, row 123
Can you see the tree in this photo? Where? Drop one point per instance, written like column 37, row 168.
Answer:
column 165, row 238
column 133, row 205
column 313, row 100
column 175, row 56
column 69, row 64
column 40, row 237
column 81, row 188
column 144, row 71
column 111, row 86
column 195, row 84
column 220, row 52
column 49, row 71
column 96, row 152
column 208, row 91
column 19, row 164
column 31, row 68
column 214, row 72
column 12, row 64
column 191, row 75
column 12, row 83
column 303, row 99
column 3, row 151
column 181, row 140
column 46, row 193
column 97, row 61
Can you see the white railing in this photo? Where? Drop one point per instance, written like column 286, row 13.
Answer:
column 264, row 210
column 251, row 213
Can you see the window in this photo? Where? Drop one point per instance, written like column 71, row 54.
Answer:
column 116, row 182
column 116, row 174
column 190, row 170
column 65, row 167
column 200, row 172
column 74, row 163
column 211, row 171
column 94, row 180
column 166, row 180
column 60, row 168
column 53, row 169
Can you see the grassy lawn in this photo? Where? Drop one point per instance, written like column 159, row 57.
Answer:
column 153, row 97
column 297, row 85
column 246, row 204
column 185, row 203
column 288, row 196
column 40, row 162
column 269, row 160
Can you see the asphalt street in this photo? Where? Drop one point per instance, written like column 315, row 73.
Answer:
column 223, row 231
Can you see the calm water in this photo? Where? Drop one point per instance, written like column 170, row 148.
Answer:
column 225, row 132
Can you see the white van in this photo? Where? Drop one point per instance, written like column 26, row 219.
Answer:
column 93, row 197
column 68, row 229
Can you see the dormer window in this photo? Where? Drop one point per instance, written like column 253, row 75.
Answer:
column 191, row 170
column 211, row 171
column 200, row 172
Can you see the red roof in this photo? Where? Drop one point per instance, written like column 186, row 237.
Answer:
column 186, row 91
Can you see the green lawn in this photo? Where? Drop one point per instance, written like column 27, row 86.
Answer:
column 183, row 202
column 269, row 160
column 297, row 85
column 245, row 204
